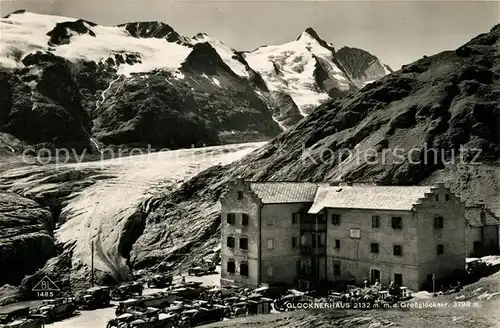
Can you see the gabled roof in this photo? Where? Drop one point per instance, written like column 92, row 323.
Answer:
column 368, row 197
column 284, row 192
column 474, row 218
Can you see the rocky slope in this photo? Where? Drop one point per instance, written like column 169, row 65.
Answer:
column 25, row 241
column 436, row 119
column 72, row 83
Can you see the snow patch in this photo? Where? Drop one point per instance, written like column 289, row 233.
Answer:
column 216, row 82
column 27, row 32
column 179, row 76
column 487, row 296
column 491, row 259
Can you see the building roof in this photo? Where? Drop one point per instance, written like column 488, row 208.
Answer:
column 474, row 218
column 284, row 192
column 368, row 197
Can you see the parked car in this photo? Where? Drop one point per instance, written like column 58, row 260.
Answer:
column 272, row 291
column 55, row 309
column 14, row 314
column 201, row 316
column 159, row 301
column 126, row 291
column 25, row 323
column 94, row 298
column 160, row 281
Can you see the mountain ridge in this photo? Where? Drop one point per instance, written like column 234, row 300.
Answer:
column 301, row 78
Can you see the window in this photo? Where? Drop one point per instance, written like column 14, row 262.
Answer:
column 374, row 247
column 270, row 271
column 440, row 249
column 270, row 220
column 336, row 269
column 397, row 250
column 437, row 198
column 244, row 269
column 231, row 218
column 398, row 279
column 447, row 197
column 295, row 218
column 294, row 242
column 337, row 243
column 336, row 219
column 244, row 243
column 244, row 219
column 230, row 242
column 397, row 222
column 375, row 221
column 438, row 222
column 231, row 266
column 240, row 195
column 270, row 244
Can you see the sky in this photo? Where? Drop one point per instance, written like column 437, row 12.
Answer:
column 398, row 32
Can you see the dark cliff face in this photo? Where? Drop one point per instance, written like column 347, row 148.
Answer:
column 42, row 103
column 426, row 111
column 62, row 32
column 204, row 59
column 157, row 30
column 355, row 60
column 182, row 113
column 25, row 244
column 156, row 115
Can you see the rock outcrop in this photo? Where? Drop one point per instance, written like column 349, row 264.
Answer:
column 25, row 242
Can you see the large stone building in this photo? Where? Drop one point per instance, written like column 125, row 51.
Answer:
column 283, row 232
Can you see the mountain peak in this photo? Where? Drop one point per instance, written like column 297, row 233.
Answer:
column 203, row 58
column 310, row 33
column 201, row 35
column 153, row 29
column 17, row 12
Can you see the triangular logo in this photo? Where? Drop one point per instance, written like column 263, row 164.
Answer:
column 45, row 285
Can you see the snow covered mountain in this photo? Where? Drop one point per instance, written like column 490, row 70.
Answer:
column 143, row 83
